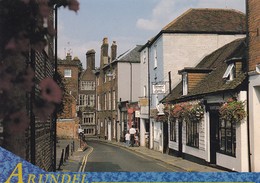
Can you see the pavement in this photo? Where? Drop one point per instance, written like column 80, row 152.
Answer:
column 77, row 160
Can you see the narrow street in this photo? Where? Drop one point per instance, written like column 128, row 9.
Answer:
column 110, row 158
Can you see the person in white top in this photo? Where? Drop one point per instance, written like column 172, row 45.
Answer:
column 127, row 138
column 132, row 132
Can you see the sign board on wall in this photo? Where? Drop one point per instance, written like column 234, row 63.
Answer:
column 143, row 101
column 159, row 88
column 137, row 114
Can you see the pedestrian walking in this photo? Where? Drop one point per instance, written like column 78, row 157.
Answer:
column 132, row 132
column 127, row 138
column 137, row 138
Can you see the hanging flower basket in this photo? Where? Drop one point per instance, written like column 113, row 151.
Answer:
column 188, row 111
column 233, row 111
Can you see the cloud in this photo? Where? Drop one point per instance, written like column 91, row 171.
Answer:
column 167, row 10
column 161, row 13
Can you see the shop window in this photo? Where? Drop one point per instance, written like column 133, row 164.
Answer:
column 192, row 134
column 227, row 138
column 173, row 130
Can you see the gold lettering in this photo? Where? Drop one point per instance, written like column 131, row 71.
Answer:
column 40, row 178
column 31, row 178
column 63, row 178
column 54, row 178
column 19, row 174
column 83, row 178
column 75, row 178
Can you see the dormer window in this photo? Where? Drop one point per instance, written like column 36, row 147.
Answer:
column 184, row 83
column 230, row 72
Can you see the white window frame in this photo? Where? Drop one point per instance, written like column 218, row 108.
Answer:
column 230, row 72
column 109, row 100
column 67, row 73
column 145, row 91
column 185, row 83
column 155, row 56
column 82, row 100
column 114, row 99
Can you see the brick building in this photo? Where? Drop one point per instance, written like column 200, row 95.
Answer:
column 70, row 69
column 87, row 96
column 253, row 16
column 106, row 90
column 117, row 86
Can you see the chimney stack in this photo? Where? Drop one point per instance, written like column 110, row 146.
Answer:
column 90, row 59
column 68, row 57
column 113, row 51
column 104, row 53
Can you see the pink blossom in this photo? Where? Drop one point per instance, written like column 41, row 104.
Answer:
column 73, row 5
column 50, row 91
column 19, row 122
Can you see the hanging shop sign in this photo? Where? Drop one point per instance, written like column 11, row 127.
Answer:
column 159, row 88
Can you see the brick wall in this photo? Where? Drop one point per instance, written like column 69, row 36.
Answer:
column 254, row 33
column 70, row 82
column 67, row 128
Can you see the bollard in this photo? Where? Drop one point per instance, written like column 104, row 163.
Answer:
column 61, row 159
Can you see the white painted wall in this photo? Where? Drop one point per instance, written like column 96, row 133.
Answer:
column 187, row 50
column 143, row 92
column 254, row 119
column 124, row 81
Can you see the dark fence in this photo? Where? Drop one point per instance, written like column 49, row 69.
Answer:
column 65, row 153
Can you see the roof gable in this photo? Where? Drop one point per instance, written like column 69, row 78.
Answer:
column 207, row 20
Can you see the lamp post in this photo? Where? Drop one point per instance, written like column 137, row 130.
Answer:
column 54, row 120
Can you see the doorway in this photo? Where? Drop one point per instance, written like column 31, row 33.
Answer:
column 214, row 139
column 165, row 137
column 180, row 137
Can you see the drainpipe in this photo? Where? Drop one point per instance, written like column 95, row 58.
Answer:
column 131, row 81
column 149, row 94
column 247, row 93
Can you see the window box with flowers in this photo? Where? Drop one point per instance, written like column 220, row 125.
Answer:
column 231, row 114
column 233, row 111
column 192, row 113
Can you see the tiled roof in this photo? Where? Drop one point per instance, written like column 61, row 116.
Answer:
column 209, row 21
column 214, row 81
column 132, row 55
column 205, row 21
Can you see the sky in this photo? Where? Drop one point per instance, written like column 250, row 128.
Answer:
column 128, row 22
